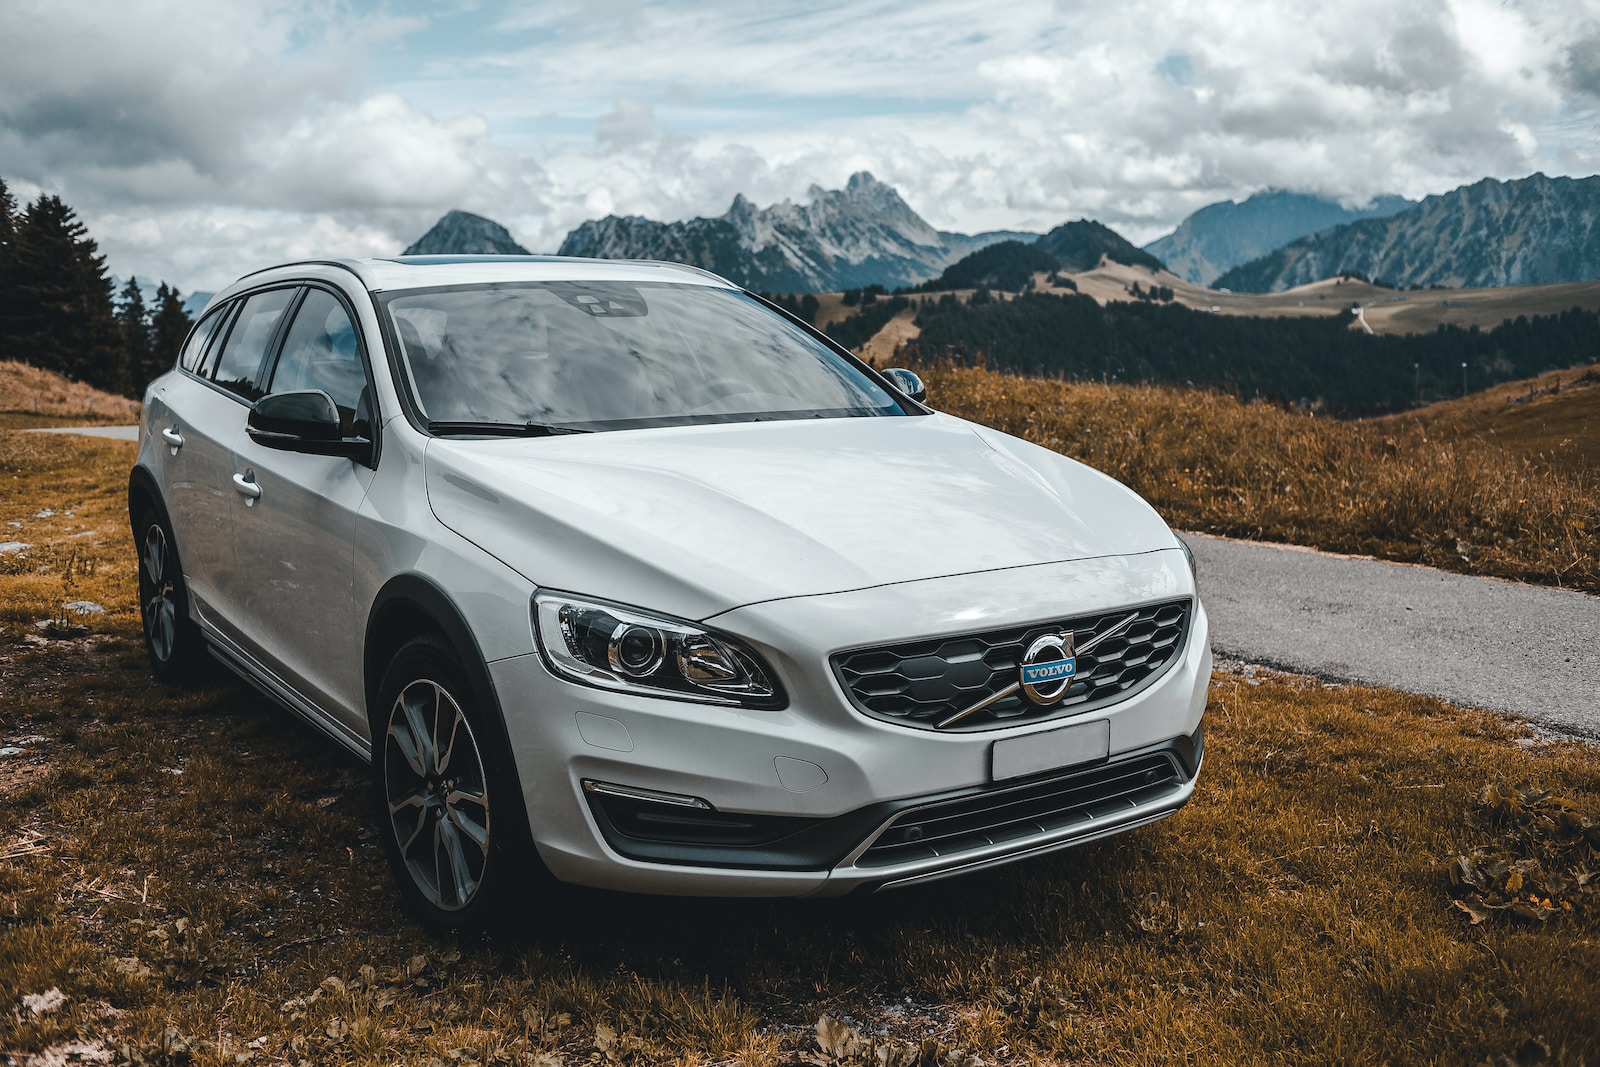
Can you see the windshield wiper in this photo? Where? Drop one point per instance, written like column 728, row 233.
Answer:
column 504, row 429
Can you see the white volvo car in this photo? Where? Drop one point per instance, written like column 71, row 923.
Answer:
column 617, row 573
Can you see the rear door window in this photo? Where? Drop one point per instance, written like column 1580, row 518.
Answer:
column 207, row 357
column 195, row 347
column 239, row 366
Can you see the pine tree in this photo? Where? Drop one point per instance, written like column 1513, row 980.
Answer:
column 169, row 325
column 8, row 240
column 133, row 323
column 63, row 313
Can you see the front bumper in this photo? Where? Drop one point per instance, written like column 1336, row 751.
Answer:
column 819, row 784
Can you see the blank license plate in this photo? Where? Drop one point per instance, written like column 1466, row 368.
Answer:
column 1083, row 742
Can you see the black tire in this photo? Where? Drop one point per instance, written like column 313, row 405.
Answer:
column 171, row 638
column 451, row 818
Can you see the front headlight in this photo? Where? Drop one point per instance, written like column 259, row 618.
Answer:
column 1188, row 554
column 614, row 647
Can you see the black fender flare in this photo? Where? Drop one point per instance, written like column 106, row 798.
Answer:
column 141, row 480
column 406, row 604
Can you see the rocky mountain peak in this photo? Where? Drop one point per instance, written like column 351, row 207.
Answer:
column 463, row 233
column 862, row 234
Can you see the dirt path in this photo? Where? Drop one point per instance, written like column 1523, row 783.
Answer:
column 879, row 351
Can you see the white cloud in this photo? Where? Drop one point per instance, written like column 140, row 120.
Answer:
column 629, row 122
column 247, row 128
column 263, row 129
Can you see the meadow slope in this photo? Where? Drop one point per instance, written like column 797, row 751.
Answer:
column 192, row 877
column 1212, row 463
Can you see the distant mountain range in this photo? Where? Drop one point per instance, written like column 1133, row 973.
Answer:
column 1526, row 232
column 1531, row 231
column 1221, row 236
column 863, row 234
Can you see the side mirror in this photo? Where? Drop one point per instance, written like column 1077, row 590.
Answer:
column 304, row 421
column 907, row 382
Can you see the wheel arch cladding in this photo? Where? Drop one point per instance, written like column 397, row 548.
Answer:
column 142, row 492
column 409, row 606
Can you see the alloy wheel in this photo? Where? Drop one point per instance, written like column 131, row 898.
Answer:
column 437, row 796
column 159, row 597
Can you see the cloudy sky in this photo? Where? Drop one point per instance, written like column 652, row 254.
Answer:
column 200, row 140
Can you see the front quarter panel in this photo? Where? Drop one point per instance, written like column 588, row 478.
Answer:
column 398, row 534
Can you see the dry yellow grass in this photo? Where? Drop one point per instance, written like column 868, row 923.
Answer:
column 197, row 874
column 29, row 391
column 1555, row 416
column 1211, row 463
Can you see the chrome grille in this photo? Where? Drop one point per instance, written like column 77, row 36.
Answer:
column 920, row 683
column 1016, row 814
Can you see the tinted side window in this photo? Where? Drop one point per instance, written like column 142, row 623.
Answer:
column 321, row 352
column 208, row 357
column 247, row 342
column 195, row 347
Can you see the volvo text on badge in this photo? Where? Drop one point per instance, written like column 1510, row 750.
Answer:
column 1048, row 668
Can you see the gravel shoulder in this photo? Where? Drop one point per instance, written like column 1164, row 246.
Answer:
column 1479, row 642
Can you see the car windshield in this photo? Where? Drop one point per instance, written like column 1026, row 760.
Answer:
column 611, row 355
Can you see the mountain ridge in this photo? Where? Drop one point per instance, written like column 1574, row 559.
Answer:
column 1080, row 244
column 863, row 234
column 1528, row 231
column 1227, row 234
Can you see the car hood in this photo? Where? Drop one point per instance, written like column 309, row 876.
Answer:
column 697, row 520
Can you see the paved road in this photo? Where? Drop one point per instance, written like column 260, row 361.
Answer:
column 115, row 433
column 1481, row 642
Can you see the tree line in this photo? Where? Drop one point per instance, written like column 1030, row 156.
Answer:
column 1315, row 362
column 58, row 311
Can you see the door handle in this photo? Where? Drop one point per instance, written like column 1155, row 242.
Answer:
column 246, row 484
column 173, row 438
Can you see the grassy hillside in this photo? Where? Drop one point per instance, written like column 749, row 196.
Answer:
column 1387, row 311
column 1555, row 416
column 1316, row 362
column 1212, row 463
column 195, row 874
column 33, row 397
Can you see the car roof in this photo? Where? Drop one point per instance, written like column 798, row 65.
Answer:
column 420, row 272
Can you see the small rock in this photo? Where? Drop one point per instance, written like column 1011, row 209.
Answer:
column 13, row 546
column 73, row 1052
column 132, row 966
column 45, row 514
column 86, row 607
column 43, row 1003
column 10, row 750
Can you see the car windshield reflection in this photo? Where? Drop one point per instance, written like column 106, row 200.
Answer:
column 613, row 355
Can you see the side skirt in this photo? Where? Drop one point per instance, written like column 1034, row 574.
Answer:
column 279, row 692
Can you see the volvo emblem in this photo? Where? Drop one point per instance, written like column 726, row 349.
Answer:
column 1048, row 668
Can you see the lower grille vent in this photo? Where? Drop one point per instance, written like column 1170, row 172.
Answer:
column 1014, row 814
